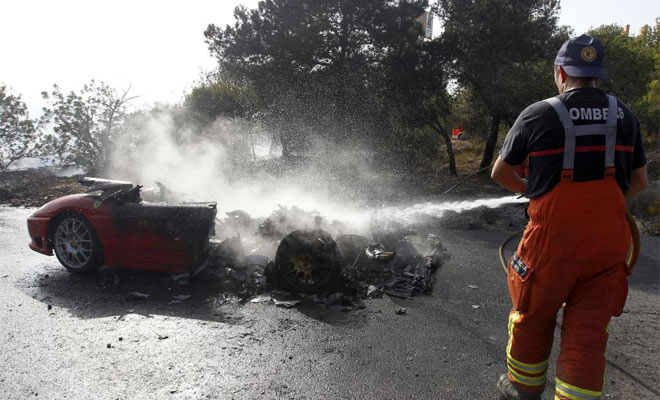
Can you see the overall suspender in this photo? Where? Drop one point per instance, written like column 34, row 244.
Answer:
column 571, row 132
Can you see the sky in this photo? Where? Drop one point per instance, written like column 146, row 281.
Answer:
column 157, row 47
column 154, row 46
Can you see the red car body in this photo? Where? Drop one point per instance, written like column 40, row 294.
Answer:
column 162, row 237
column 457, row 133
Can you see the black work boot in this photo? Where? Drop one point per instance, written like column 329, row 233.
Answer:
column 509, row 391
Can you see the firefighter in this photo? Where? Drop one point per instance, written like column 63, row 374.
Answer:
column 585, row 156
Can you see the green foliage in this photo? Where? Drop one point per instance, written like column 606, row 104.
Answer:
column 468, row 112
column 18, row 133
column 419, row 148
column 632, row 64
column 498, row 46
column 85, row 124
column 629, row 63
column 324, row 74
column 502, row 52
column 220, row 99
column 648, row 107
column 333, row 72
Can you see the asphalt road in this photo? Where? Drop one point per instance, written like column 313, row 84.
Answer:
column 73, row 337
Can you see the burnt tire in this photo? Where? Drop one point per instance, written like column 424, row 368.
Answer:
column 306, row 262
column 76, row 244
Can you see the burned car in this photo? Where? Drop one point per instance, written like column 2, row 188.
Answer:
column 112, row 225
column 292, row 250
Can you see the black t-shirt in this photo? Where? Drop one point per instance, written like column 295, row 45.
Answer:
column 539, row 134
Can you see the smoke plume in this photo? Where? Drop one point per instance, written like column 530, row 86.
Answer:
column 229, row 163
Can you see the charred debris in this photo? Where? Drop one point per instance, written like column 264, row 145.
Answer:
column 294, row 255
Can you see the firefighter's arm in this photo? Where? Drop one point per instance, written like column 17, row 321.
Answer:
column 638, row 181
column 507, row 176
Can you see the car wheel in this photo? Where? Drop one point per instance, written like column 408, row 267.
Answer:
column 460, row 135
column 306, row 261
column 76, row 245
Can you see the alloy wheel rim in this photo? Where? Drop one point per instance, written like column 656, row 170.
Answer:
column 73, row 243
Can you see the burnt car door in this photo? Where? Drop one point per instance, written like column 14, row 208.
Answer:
column 163, row 237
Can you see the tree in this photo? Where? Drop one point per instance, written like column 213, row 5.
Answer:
column 632, row 65
column 18, row 133
column 648, row 107
column 629, row 63
column 334, row 72
column 85, row 124
column 502, row 50
column 469, row 113
column 222, row 98
column 416, row 91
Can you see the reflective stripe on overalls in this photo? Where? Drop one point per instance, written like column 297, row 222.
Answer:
column 573, row 251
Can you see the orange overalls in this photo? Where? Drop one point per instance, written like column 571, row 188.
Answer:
column 573, row 251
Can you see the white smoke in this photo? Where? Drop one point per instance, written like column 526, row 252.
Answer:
column 208, row 167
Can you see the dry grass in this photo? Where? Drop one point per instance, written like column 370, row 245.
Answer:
column 468, row 155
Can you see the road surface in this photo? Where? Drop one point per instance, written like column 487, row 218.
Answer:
column 73, row 337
